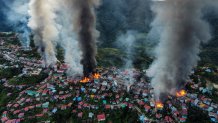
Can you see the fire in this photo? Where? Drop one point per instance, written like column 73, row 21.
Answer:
column 181, row 93
column 159, row 105
column 96, row 76
column 85, row 80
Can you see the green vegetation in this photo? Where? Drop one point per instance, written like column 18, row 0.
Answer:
column 28, row 79
column 110, row 57
column 10, row 72
column 214, row 96
column 2, row 60
column 6, row 34
column 124, row 115
column 210, row 50
column 210, row 53
column 4, row 98
column 60, row 53
column 196, row 115
column 11, row 40
column 29, row 54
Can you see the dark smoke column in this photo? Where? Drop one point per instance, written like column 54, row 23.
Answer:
column 87, row 34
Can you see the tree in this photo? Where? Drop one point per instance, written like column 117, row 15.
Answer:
column 196, row 115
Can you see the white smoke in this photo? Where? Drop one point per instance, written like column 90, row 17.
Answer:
column 17, row 17
column 126, row 43
column 69, row 39
column 42, row 22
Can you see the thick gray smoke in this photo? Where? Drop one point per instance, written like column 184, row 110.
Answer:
column 42, row 22
column 183, row 30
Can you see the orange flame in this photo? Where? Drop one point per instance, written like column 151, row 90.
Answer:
column 85, row 80
column 181, row 93
column 96, row 76
column 159, row 105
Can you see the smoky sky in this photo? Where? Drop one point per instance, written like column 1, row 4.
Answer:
column 3, row 7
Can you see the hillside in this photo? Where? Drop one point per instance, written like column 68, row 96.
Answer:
column 210, row 51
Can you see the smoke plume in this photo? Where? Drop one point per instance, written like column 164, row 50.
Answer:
column 42, row 22
column 126, row 42
column 183, row 30
column 69, row 38
column 85, row 23
column 17, row 17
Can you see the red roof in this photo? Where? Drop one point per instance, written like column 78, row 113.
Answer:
column 81, row 103
column 10, row 121
column 79, row 106
column 17, row 111
column 130, row 105
column 18, row 120
column 182, row 119
column 158, row 115
column 147, row 107
column 64, row 66
column 141, row 103
column 45, row 91
column 31, row 107
column 5, row 112
column 21, row 115
column 39, row 115
column 4, row 119
column 26, row 109
column 101, row 117
column 80, row 114
column 85, row 105
column 38, row 105
column 107, row 106
column 16, row 105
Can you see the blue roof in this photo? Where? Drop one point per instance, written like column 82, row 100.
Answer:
column 213, row 119
column 54, row 110
column 79, row 99
column 83, row 89
column 142, row 117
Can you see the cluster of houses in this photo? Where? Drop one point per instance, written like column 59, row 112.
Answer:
column 59, row 93
column 94, row 100
column 31, row 66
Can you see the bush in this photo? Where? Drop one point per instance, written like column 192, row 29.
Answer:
column 196, row 115
column 28, row 80
column 9, row 73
